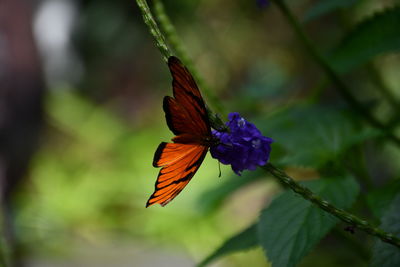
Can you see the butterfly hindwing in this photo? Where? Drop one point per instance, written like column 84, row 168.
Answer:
column 179, row 163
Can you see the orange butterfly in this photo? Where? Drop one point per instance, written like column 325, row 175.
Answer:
column 187, row 118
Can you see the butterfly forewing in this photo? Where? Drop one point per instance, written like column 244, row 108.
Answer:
column 178, row 118
column 188, row 97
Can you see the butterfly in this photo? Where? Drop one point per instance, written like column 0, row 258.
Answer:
column 187, row 118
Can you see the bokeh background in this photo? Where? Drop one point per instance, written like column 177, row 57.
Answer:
column 82, row 84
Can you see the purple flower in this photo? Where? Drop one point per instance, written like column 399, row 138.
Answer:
column 244, row 147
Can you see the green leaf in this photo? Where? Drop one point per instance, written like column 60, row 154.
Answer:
column 324, row 7
column 291, row 226
column 380, row 199
column 384, row 254
column 246, row 239
column 312, row 136
column 377, row 34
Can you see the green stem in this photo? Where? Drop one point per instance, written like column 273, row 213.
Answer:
column 154, row 30
column 173, row 39
column 340, row 85
column 328, row 207
column 172, row 36
column 176, row 44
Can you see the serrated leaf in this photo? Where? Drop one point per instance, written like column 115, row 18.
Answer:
column 246, row 239
column 377, row 34
column 291, row 226
column 324, row 7
column 384, row 254
column 380, row 199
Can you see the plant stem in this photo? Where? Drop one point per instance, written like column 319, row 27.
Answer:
column 154, row 30
column 340, row 85
column 173, row 39
column 328, row 207
column 172, row 36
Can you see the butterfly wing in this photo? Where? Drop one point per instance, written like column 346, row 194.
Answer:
column 186, row 112
column 187, row 118
column 179, row 163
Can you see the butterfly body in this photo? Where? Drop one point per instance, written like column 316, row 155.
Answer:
column 194, row 139
column 187, row 118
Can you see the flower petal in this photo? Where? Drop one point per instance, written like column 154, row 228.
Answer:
column 243, row 147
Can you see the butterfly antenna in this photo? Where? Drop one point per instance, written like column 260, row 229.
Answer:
column 219, row 167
